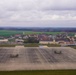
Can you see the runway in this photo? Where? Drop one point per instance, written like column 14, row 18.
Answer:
column 35, row 58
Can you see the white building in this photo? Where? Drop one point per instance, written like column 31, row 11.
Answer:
column 3, row 40
column 48, row 42
column 75, row 35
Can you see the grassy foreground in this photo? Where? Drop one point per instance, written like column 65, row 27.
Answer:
column 72, row 47
column 53, row 45
column 31, row 45
column 7, row 45
column 37, row 45
column 43, row 72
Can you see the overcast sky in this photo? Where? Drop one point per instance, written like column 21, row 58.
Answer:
column 38, row 13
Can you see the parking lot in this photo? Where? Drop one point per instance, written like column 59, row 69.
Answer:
column 35, row 58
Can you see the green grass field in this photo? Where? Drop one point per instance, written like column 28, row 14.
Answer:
column 31, row 32
column 53, row 45
column 31, row 45
column 42, row 72
column 7, row 33
column 7, row 45
column 72, row 47
column 37, row 45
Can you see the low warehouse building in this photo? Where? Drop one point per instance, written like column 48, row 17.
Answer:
column 3, row 40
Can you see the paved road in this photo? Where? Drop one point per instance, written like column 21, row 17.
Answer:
column 35, row 58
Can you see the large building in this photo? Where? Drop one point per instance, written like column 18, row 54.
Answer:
column 3, row 40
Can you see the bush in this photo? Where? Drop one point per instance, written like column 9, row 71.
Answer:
column 31, row 40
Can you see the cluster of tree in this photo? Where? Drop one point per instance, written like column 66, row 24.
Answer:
column 31, row 40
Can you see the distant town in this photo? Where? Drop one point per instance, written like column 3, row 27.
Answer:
column 21, row 37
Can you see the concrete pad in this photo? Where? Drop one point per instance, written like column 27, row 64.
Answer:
column 35, row 58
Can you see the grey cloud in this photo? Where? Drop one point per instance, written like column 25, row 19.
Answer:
column 59, row 5
column 19, row 5
column 35, row 11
